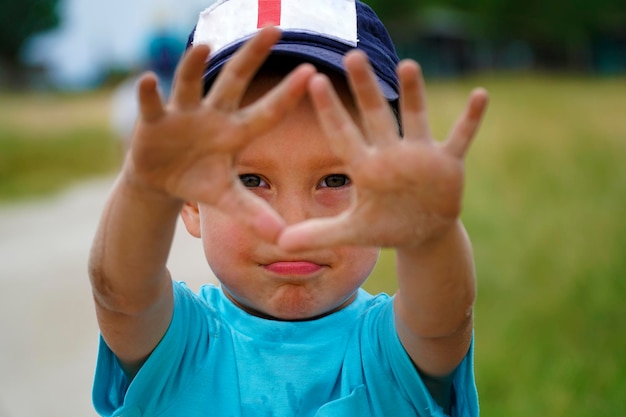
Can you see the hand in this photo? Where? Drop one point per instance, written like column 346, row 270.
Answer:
column 186, row 149
column 407, row 191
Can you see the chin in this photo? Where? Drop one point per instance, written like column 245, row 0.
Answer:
column 294, row 309
column 299, row 306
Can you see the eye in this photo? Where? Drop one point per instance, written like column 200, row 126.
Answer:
column 252, row 181
column 335, row 181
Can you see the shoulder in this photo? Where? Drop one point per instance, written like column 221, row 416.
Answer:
column 205, row 301
column 386, row 364
column 369, row 303
column 171, row 367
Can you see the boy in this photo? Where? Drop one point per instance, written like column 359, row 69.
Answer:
column 292, row 176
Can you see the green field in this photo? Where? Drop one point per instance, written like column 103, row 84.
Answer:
column 50, row 141
column 545, row 206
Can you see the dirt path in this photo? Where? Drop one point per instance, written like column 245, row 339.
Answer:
column 48, row 331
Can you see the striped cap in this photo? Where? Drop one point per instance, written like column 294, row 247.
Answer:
column 320, row 32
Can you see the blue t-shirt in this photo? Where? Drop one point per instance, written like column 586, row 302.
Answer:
column 217, row 360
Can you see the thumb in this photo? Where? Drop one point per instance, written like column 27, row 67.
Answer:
column 318, row 233
column 253, row 212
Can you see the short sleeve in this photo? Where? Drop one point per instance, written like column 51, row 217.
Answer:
column 166, row 372
column 384, row 355
column 464, row 387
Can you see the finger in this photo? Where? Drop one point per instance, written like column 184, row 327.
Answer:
column 267, row 111
column 150, row 104
column 376, row 114
column 337, row 124
column 467, row 125
column 234, row 78
column 318, row 233
column 253, row 212
column 187, row 86
column 413, row 110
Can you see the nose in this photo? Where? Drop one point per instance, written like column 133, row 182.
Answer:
column 294, row 206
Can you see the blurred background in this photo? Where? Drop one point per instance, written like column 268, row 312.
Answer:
column 545, row 199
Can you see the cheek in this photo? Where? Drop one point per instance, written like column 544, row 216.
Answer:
column 334, row 201
column 224, row 241
column 360, row 261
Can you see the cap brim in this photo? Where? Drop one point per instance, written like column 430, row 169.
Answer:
column 317, row 55
column 329, row 59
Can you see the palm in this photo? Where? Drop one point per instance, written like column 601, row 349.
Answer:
column 187, row 148
column 404, row 192
column 407, row 191
column 193, row 163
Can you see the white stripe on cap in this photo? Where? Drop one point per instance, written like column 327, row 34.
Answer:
column 227, row 21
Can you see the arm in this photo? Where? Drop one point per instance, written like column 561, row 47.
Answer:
column 434, row 304
column 435, row 300
column 131, row 286
column 434, row 308
column 182, row 151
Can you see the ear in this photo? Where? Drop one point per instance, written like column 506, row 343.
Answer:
column 191, row 218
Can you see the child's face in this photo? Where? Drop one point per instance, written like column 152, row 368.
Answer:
column 293, row 168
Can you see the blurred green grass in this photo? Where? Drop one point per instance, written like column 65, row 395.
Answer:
column 48, row 142
column 544, row 205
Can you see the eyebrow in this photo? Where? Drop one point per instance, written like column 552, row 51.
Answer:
column 261, row 163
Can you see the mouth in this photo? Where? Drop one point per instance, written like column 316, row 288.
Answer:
column 293, row 268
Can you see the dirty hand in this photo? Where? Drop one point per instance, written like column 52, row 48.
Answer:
column 407, row 191
column 185, row 149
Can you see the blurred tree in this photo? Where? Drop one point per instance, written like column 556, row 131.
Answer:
column 388, row 10
column 550, row 20
column 558, row 27
column 19, row 20
column 560, row 32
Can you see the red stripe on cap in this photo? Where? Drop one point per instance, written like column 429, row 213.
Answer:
column 269, row 13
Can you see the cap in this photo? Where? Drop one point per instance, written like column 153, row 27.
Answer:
column 320, row 32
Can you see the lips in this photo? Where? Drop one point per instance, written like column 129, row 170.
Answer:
column 293, row 268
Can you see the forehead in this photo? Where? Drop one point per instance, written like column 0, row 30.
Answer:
column 297, row 143
column 277, row 68
column 298, row 134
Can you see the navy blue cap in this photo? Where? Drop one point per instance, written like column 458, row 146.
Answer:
column 373, row 39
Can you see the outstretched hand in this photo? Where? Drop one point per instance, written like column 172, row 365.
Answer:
column 186, row 148
column 407, row 191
